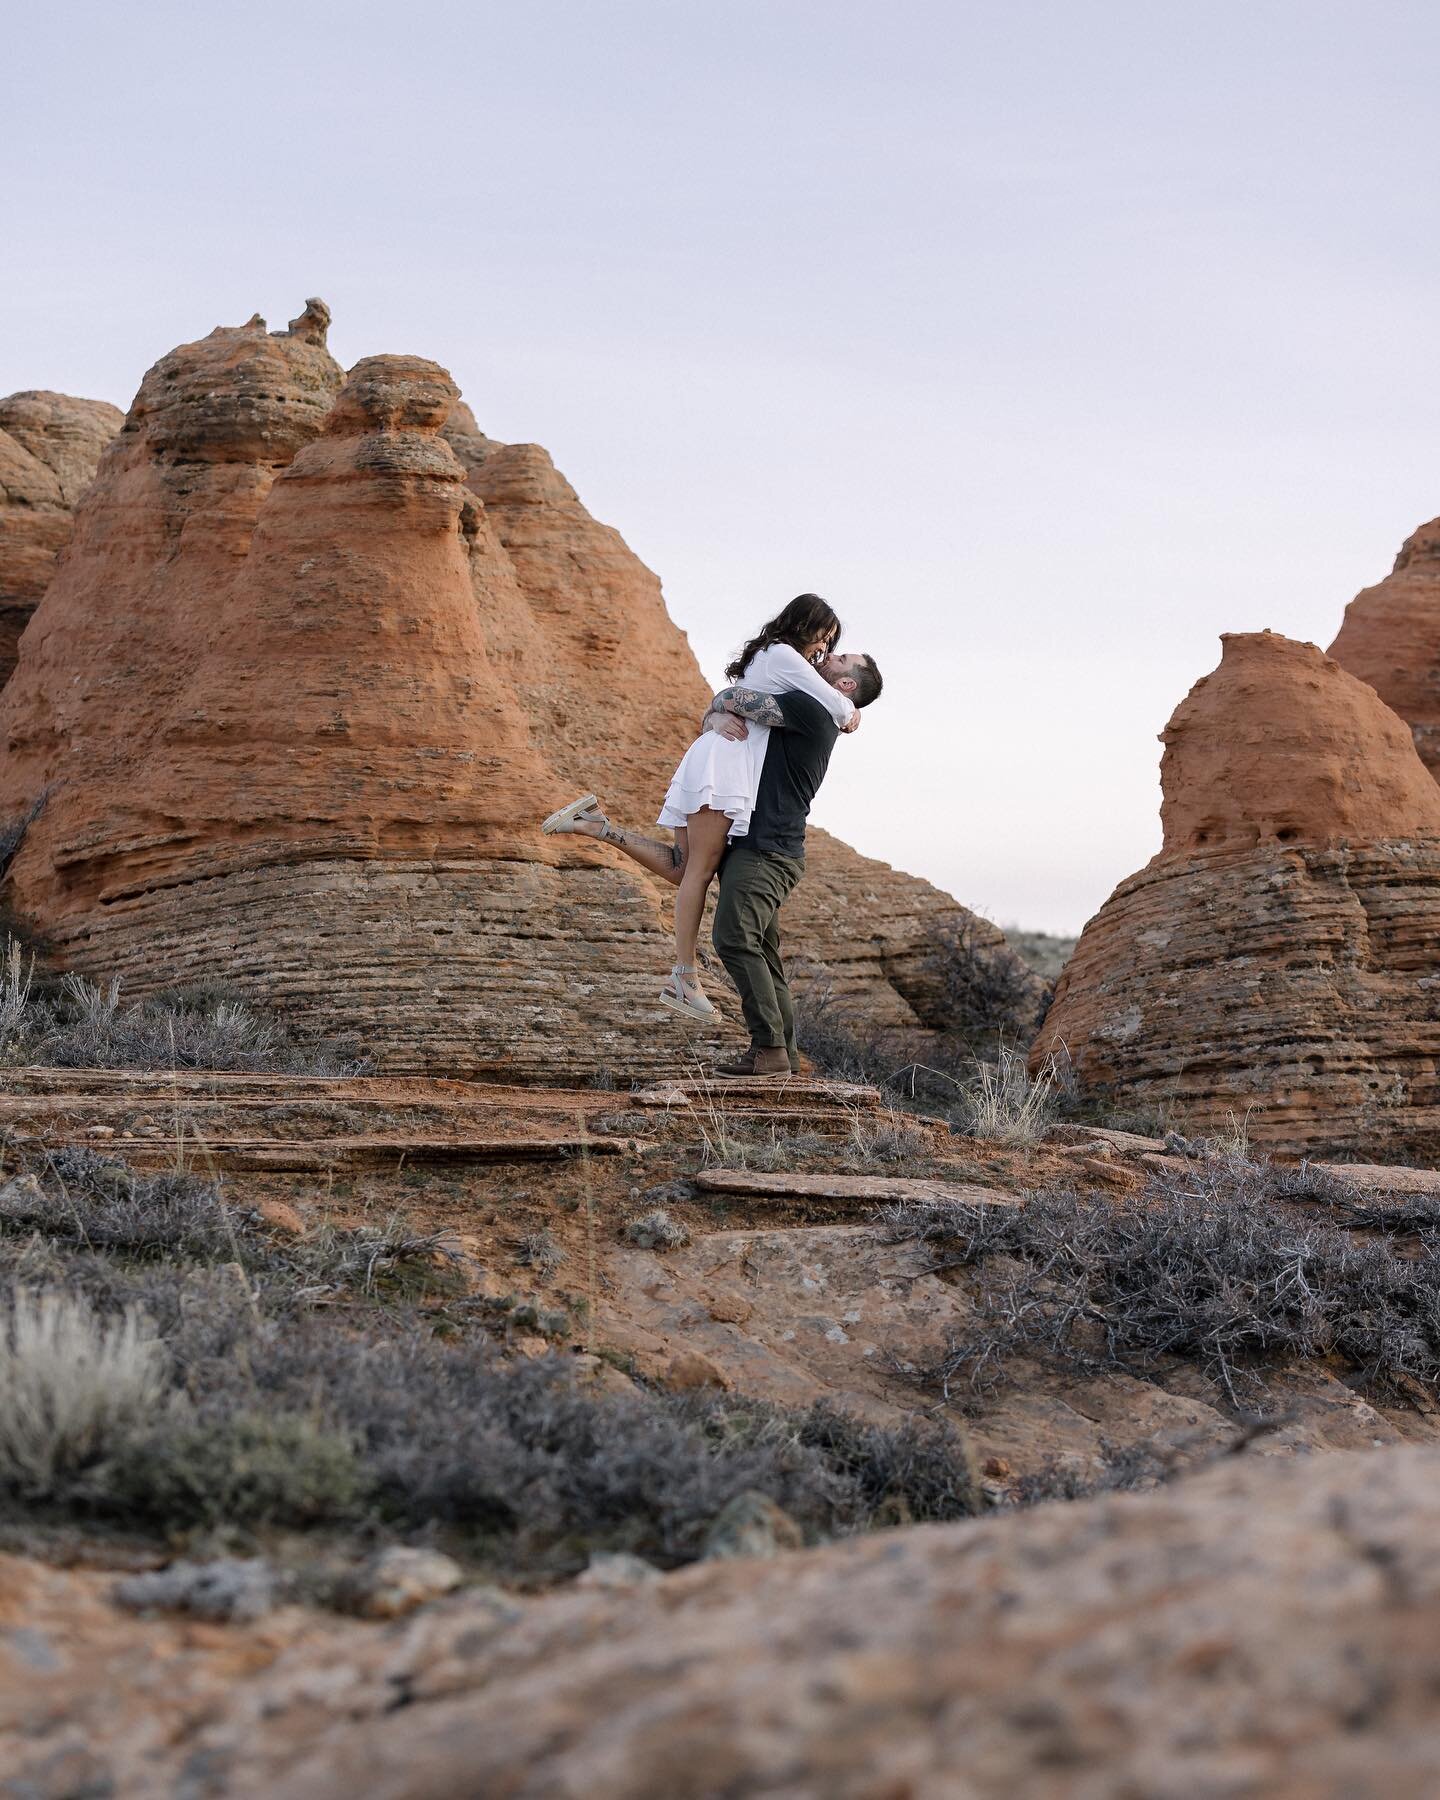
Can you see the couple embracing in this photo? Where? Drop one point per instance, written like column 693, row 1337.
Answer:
column 738, row 804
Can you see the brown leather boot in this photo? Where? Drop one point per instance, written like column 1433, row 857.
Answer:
column 772, row 1063
column 744, row 1064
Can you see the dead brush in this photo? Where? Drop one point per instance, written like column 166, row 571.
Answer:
column 80, row 1197
column 540, row 1251
column 1208, row 1265
column 12, row 831
column 888, row 1138
column 398, row 1418
column 388, row 1260
column 769, row 1152
column 16, row 979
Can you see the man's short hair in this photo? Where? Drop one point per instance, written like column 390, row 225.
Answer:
column 867, row 682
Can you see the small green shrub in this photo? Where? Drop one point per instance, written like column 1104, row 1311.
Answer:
column 209, row 1468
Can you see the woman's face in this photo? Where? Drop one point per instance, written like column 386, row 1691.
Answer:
column 820, row 646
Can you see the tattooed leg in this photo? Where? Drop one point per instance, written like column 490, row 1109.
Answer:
column 665, row 860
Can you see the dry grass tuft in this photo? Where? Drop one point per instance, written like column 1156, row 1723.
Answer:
column 540, row 1251
column 1005, row 1105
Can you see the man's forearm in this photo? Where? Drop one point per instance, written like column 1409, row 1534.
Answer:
column 749, row 703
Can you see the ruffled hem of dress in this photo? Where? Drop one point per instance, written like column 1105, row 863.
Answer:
column 680, row 802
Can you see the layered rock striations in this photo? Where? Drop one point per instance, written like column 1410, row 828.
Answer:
column 50, row 445
column 1391, row 638
column 319, row 659
column 1278, row 961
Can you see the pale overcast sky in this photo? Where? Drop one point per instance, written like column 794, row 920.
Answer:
column 1047, row 340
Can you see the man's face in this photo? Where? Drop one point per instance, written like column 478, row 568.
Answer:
column 838, row 670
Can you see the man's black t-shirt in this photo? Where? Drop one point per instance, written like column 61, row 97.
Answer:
column 795, row 763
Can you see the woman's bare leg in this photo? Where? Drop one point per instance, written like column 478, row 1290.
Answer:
column 705, row 845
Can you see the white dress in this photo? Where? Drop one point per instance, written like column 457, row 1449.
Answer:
column 724, row 773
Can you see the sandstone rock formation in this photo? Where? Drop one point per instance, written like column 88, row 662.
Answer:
column 49, row 447
column 1279, row 960
column 1107, row 1647
column 159, row 535
column 317, row 663
column 1391, row 638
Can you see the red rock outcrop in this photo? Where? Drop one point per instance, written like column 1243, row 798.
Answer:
column 339, row 674
column 162, row 530
column 1391, row 638
column 1279, row 960
column 49, row 447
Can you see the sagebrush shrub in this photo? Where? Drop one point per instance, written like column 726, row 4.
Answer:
column 101, row 1201
column 247, row 1382
column 74, row 1386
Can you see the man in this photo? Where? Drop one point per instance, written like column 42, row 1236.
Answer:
column 760, row 870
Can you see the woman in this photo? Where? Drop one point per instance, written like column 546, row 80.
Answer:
column 712, row 792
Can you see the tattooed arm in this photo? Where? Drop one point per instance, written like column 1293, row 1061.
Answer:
column 746, row 703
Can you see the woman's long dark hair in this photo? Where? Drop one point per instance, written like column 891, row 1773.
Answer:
column 806, row 618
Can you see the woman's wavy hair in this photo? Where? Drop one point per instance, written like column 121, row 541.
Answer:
column 806, row 618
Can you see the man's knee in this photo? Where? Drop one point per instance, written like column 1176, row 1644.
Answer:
column 729, row 936
column 728, row 929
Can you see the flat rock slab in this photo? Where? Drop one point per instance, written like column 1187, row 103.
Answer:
column 1395, row 1178
column 793, row 1093
column 159, row 1085
column 1129, row 1143
column 1386, row 1177
column 283, row 1156
column 1112, row 1646
column 870, row 1190
column 300, row 1124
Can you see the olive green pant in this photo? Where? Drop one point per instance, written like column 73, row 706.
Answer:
column 754, row 884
